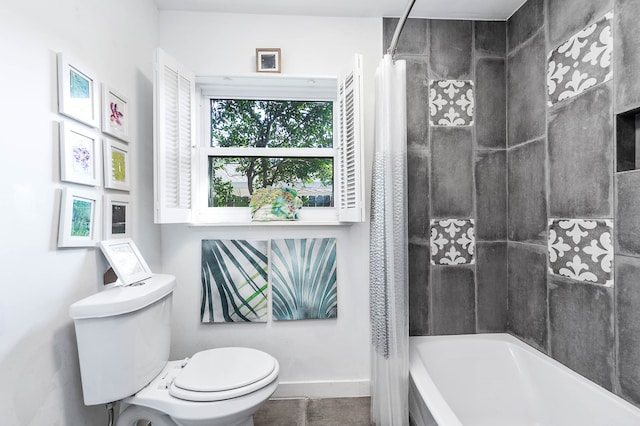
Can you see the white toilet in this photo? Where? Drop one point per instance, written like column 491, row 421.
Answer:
column 123, row 336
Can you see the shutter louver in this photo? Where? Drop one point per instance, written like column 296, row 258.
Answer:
column 174, row 95
column 350, row 167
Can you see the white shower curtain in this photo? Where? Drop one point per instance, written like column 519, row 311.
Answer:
column 388, row 250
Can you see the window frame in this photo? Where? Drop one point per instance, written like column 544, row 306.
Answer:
column 277, row 88
column 178, row 138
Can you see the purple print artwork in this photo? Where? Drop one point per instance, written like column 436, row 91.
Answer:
column 116, row 115
column 81, row 158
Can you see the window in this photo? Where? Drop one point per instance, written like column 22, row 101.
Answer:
column 254, row 132
column 303, row 128
column 233, row 180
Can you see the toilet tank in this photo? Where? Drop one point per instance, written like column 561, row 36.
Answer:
column 123, row 336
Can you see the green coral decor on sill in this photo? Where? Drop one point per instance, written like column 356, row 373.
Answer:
column 270, row 204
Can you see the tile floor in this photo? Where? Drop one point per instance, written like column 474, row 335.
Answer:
column 314, row 412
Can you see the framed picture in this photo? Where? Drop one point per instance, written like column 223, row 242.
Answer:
column 77, row 92
column 268, row 60
column 115, row 114
column 117, row 172
column 80, row 155
column 79, row 218
column 117, row 216
column 126, row 260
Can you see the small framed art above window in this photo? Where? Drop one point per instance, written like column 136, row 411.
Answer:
column 268, row 60
column 254, row 132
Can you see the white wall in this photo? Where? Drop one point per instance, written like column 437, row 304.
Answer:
column 317, row 358
column 38, row 358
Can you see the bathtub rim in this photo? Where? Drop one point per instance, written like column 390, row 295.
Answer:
column 444, row 415
column 430, row 394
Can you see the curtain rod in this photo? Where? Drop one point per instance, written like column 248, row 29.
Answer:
column 396, row 35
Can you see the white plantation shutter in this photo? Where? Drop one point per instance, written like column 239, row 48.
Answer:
column 350, row 146
column 174, row 139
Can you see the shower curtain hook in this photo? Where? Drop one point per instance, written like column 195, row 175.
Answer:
column 396, row 35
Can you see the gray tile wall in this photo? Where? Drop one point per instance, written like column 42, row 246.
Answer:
column 560, row 164
column 490, row 176
column 456, row 172
column 453, row 300
column 419, row 289
column 527, row 192
column 490, row 96
column 565, row 18
column 522, row 163
column 526, row 90
column 626, row 56
column 581, row 155
column 491, row 278
column 450, row 49
column 627, row 325
column 627, row 214
column 451, row 172
column 582, row 332
column 525, row 23
column 527, row 293
column 491, row 195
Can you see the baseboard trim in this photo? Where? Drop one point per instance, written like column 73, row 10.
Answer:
column 323, row 389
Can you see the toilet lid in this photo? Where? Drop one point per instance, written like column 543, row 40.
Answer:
column 224, row 369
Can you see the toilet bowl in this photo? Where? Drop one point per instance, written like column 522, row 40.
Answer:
column 216, row 387
column 123, row 337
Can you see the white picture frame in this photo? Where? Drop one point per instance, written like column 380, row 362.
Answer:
column 126, row 260
column 78, row 92
column 117, row 165
column 115, row 114
column 117, row 216
column 80, row 155
column 79, row 218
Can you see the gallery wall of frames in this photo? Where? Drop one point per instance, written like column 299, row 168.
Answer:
column 94, row 138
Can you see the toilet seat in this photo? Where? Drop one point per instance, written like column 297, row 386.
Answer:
column 188, row 410
column 223, row 373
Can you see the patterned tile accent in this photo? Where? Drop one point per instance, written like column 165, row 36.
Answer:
column 581, row 249
column 582, row 62
column 303, row 279
column 234, row 281
column 452, row 241
column 451, row 102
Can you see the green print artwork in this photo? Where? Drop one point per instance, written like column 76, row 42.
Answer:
column 304, row 279
column 234, row 281
column 118, row 166
column 81, row 219
column 79, row 86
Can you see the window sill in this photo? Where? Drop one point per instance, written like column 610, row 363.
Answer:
column 273, row 223
column 240, row 216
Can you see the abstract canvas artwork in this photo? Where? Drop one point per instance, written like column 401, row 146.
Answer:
column 234, row 281
column 303, row 279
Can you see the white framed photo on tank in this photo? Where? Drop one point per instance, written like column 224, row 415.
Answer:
column 126, row 260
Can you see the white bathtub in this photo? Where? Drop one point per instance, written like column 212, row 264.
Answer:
column 496, row 380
